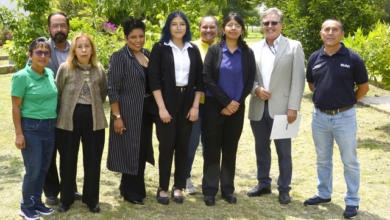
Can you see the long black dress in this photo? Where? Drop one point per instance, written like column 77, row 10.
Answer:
column 127, row 84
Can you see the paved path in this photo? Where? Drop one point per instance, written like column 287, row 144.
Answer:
column 382, row 104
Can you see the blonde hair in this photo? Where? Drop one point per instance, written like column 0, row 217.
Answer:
column 72, row 58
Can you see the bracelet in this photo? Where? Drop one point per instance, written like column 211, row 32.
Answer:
column 194, row 107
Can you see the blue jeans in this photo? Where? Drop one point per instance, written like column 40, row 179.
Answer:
column 39, row 136
column 197, row 131
column 341, row 127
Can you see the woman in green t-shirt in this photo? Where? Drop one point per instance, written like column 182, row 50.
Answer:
column 34, row 104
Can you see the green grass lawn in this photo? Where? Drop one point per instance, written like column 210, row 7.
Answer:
column 374, row 157
column 373, row 152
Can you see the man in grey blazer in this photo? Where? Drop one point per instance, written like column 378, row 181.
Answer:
column 277, row 90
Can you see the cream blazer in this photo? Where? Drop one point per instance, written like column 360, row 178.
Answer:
column 287, row 80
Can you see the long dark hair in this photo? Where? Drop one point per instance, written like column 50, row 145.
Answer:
column 241, row 43
column 166, row 31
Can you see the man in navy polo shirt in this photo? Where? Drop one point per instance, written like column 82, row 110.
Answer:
column 332, row 73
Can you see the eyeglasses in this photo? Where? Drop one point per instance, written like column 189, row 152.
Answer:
column 40, row 52
column 237, row 26
column 61, row 26
column 273, row 23
column 176, row 26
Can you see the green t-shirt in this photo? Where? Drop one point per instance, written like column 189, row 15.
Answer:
column 39, row 93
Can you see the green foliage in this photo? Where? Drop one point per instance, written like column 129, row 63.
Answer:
column 374, row 49
column 24, row 28
column 304, row 18
column 247, row 10
column 155, row 12
column 106, row 42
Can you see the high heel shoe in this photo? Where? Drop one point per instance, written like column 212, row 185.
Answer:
column 177, row 199
column 162, row 200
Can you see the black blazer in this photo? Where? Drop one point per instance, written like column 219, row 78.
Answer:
column 162, row 76
column 212, row 63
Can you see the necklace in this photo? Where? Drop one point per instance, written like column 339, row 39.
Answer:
column 274, row 49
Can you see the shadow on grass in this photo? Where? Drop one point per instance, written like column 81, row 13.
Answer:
column 10, row 173
column 373, row 144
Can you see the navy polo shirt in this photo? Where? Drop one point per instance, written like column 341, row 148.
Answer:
column 334, row 77
column 231, row 79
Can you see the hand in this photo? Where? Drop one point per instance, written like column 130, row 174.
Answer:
column 233, row 106
column 291, row 115
column 193, row 114
column 20, row 142
column 165, row 116
column 262, row 93
column 226, row 112
column 118, row 126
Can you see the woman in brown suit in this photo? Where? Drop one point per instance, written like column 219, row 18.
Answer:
column 82, row 90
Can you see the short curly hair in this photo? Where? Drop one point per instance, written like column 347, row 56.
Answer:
column 132, row 23
column 37, row 43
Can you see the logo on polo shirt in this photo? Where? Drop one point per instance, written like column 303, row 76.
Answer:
column 316, row 66
column 38, row 87
column 345, row 65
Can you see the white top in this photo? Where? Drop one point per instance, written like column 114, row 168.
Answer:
column 182, row 62
column 267, row 61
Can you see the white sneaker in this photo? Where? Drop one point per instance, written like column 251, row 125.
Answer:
column 190, row 188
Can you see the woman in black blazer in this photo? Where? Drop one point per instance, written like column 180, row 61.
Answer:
column 131, row 125
column 176, row 81
column 229, row 71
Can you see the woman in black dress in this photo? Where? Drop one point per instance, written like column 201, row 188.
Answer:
column 131, row 126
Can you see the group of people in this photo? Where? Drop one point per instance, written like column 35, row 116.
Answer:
column 192, row 91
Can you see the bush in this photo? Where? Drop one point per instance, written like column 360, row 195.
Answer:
column 374, row 49
column 107, row 41
column 5, row 35
column 304, row 18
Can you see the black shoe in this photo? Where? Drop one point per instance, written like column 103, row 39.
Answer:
column 209, row 200
column 351, row 212
column 162, row 200
column 316, row 200
column 52, row 200
column 258, row 191
column 137, row 202
column 77, row 196
column 229, row 198
column 177, row 199
column 94, row 209
column 62, row 208
column 284, row 197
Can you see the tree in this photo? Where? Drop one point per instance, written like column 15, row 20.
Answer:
column 27, row 28
column 247, row 10
column 304, row 18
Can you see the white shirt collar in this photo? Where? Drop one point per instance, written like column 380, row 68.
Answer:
column 276, row 42
column 186, row 45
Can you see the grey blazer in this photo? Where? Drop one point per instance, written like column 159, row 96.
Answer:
column 287, row 80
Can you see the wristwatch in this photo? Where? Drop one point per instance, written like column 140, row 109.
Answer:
column 114, row 117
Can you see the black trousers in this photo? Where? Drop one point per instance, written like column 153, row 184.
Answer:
column 68, row 146
column 221, row 134
column 52, row 182
column 262, row 132
column 174, row 138
column 132, row 187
